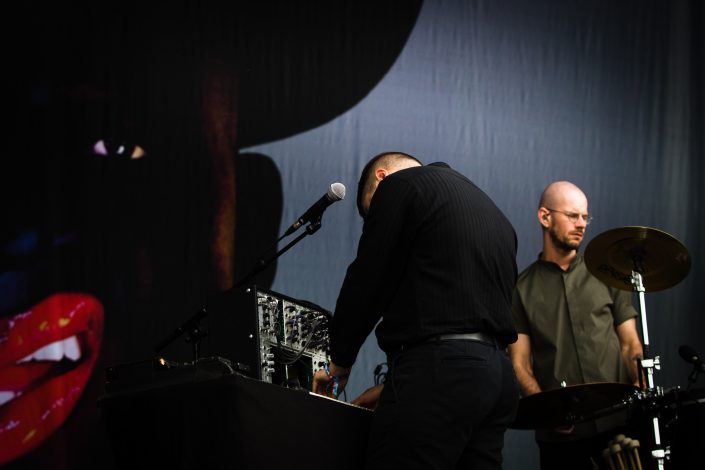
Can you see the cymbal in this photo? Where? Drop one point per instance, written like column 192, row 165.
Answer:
column 661, row 259
column 569, row 405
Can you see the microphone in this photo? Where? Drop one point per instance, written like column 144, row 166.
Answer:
column 689, row 355
column 335, row 193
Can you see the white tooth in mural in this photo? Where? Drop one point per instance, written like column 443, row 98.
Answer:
column 56, row 351
column 71, row 348
column 5, row 397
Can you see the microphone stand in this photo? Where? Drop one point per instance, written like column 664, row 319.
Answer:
column 262, row 264
column 191, row 327
column 193, row 330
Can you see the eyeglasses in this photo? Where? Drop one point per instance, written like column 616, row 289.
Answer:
column 573, row 217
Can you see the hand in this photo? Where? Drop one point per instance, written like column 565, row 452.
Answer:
column 567, row 429
column 641, row 379
column 324, row 381
column 369, row 398
column 321, row 379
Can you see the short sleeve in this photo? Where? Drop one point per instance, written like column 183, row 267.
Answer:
column 519, row 316
column 623, row 309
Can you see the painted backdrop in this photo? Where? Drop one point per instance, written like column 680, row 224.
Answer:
column 153, row 153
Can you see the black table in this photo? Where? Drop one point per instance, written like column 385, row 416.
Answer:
column 233, row 422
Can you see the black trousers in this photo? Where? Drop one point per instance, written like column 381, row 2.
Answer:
column 445, row 405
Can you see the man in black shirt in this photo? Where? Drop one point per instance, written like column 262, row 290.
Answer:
column 436, row 263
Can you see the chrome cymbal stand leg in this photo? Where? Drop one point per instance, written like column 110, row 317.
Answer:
column 649, row 365
column 637, row 282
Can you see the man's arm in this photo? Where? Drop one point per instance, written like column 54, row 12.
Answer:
column 631, row 347
column 520, row 354
column 370, row 397
column 373, row 276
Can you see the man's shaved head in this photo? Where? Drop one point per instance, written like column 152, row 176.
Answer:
column 559, row 193
column 368, row 181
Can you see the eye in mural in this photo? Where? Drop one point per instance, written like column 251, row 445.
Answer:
column 118, row 149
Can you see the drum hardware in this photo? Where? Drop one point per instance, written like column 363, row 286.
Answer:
column 622, row 453
column 573, row 404
column 588, row 402
column 637, row 258
column 606, row 455
column 616, row 454
column 634, row 450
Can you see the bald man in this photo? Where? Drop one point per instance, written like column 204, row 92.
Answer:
column 436, row 263
column 572, row 328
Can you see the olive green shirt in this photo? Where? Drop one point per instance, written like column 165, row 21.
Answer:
column 570, row 317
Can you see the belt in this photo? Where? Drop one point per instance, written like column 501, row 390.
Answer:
column 477, row 337
column 483, row 338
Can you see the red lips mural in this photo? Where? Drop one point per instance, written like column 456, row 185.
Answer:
column 47, row 355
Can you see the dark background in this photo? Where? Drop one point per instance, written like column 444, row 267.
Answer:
column 248, row 113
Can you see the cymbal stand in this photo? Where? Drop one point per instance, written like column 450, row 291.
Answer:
column 649, row 364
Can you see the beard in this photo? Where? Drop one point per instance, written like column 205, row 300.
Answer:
column 563, row 243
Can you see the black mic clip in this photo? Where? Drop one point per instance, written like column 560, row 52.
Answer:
column 314, row 225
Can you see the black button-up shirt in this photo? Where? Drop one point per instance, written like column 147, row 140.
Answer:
column 436, row 256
